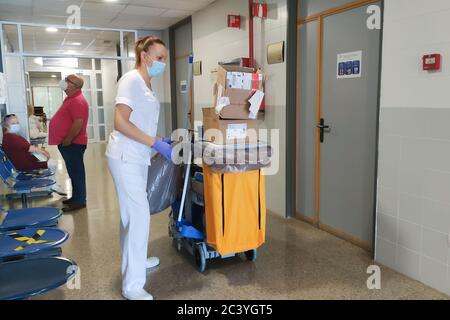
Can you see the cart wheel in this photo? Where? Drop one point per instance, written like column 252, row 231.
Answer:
column 178, row 244
column 200, row 259
column 251, row 255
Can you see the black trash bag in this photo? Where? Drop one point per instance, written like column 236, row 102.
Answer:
column 163, row 184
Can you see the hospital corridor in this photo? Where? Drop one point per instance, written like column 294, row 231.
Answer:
column 224, row 156
column 330, row 268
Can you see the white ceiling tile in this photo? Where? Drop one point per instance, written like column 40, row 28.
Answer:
column 143, row 11
column 138, row 22
column 92, row 8
column 106, row 4
column 100, row 22
column 98, row 13
column 15, row 17
column 153, row 26
column 13, row 10
column 56, row 20
column 52, row 7
column 15, row 3
column 187, row 5
column 172, row 13
column 126, row 24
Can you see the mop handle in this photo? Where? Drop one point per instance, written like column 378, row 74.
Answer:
column 185, row 186
column 188, row 125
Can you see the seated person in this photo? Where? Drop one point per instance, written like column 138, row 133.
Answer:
column 18, row 149
column 35, row 125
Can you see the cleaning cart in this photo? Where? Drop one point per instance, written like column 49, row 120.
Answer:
column 222, row 211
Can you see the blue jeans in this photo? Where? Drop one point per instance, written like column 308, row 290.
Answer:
column 73, row 156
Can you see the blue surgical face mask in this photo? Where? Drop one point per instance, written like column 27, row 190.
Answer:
column 157, row 69
column 14, row 128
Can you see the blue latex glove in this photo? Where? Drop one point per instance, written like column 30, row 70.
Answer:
column 167, row 140
column 163, row 148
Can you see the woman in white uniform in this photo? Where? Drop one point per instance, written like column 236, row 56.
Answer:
column 129, row 153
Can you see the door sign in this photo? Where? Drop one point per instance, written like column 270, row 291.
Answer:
column 349, row 65
column 183, row 86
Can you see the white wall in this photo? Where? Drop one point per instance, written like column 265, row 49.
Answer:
column 109, row 83
column 213, row 41
column 414, row 162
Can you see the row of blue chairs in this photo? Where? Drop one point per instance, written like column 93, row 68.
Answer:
column 24, row 183
column 30, row 253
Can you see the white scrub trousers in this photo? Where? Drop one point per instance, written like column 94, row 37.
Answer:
column 131, row 186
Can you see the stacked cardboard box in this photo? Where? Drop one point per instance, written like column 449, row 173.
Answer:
column 235, row 117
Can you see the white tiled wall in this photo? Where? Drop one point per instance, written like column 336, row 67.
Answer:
column 213, row 41
column 413, row 222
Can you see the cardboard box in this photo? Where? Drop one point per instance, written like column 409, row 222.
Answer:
column 238, row 84
column 233, row 112
column 228, row 131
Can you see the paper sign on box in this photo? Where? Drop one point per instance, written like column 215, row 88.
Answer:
column 255, row 103
column 237, row 131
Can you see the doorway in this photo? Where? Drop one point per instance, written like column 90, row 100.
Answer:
column 337, row 121
column 181, row 74
column 99, row 75
column 45, row 91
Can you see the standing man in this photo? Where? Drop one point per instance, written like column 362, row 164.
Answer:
column 67, row 130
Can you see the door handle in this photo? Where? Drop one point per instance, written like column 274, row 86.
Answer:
column 323, row 128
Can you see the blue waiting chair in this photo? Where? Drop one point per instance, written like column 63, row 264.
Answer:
column 24, row 174
column 22, row 187
column 35, row 249
column 28, row 218
column 28, row 278
column 31, row 243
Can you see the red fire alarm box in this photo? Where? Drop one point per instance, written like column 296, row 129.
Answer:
column 432, row 62
column 234, row 21
column 260, row 10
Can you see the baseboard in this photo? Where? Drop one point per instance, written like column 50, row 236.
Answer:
column 338, row 233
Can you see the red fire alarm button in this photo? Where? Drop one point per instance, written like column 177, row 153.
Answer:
column 234, row 21
column 432, row 62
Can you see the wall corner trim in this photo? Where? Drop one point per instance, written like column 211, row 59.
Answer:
column 291, row 106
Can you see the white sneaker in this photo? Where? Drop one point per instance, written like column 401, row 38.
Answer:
column 140, row 294
column 152, row 262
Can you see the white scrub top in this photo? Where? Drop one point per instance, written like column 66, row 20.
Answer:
column 133, row 92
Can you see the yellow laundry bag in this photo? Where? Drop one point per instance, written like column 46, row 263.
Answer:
column 235, row 206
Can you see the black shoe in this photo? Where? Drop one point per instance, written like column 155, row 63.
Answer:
column 74, row 207
column 67, row 201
